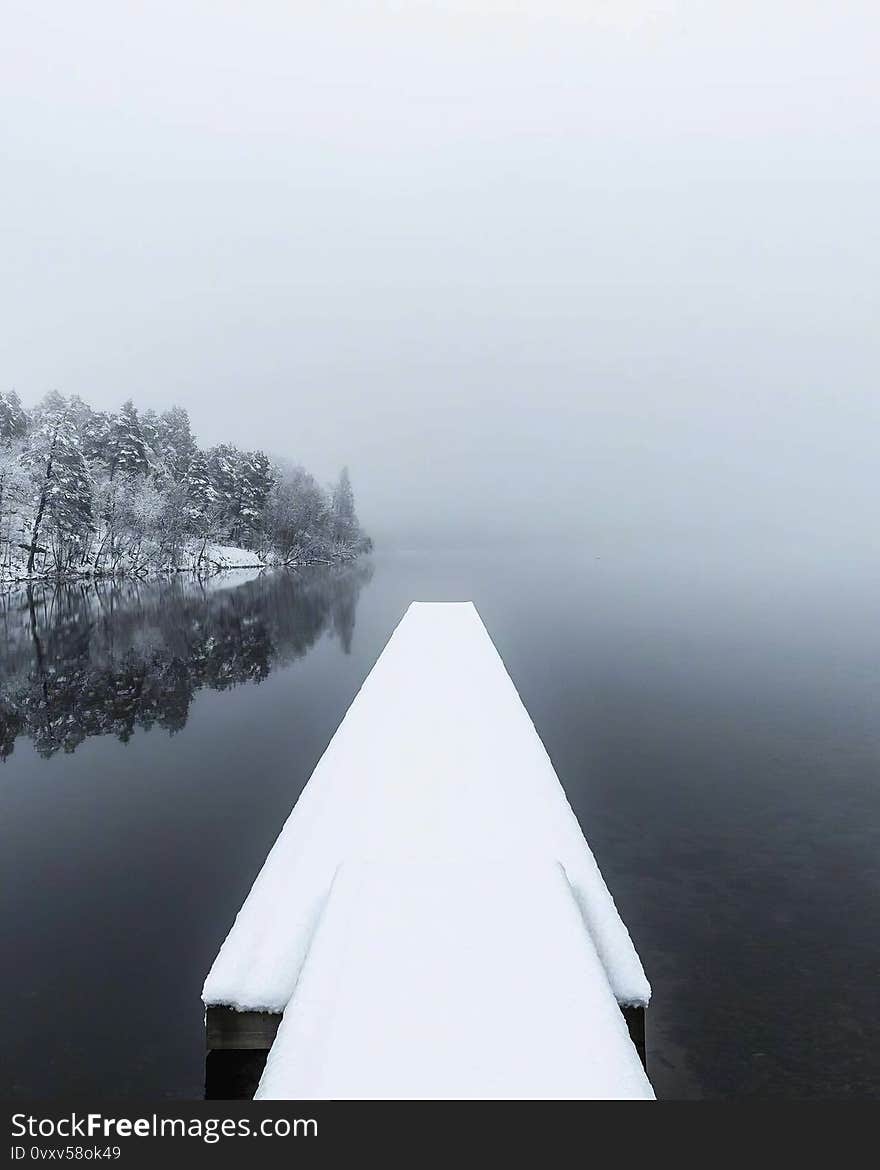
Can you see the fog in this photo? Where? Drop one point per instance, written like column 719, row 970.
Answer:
column 526, row 268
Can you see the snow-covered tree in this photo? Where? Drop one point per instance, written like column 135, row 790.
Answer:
column 343, row 518
column 13, row 495
column 92, row 428
column 175, row 446
column 259, row 478
column 60, row 480
column 149, row 421
column 298, row 515
column 111, row 492
column 139, row 508
column 241, row 483
column 126, row 452
column 13, row 420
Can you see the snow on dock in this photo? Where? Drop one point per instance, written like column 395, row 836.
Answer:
column 436, row 817
column 436, row 757
column 431, row 982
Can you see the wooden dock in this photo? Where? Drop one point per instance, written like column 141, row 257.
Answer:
column 433, row 890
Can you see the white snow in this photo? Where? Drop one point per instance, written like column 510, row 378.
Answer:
column 472, row 980
column 436, row 761
column 223, row 556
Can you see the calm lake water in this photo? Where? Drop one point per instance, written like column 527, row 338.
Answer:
column 712, row 714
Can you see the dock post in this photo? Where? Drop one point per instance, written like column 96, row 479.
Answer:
column 237, row 1044
column 634, row 1014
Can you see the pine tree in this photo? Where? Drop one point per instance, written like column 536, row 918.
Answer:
column 60, row 478
column 258, row 480
column 70, row 500
column 343, row 519
column 13, row 493
column 149, row 421
column 175, row 446
column 13, row 420
column 126, row 450
column 242, row 482
column 203, row 507
column 201, row 493
column 224, row 474
column 92, row 428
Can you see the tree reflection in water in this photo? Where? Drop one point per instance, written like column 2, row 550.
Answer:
column 104, row 658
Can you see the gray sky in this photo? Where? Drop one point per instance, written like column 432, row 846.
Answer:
column 542, row 264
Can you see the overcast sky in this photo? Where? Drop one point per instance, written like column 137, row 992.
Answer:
column 541, row 264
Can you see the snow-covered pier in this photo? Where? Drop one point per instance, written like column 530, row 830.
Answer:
column 431, row 922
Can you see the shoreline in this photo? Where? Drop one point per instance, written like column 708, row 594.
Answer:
column 214, row 569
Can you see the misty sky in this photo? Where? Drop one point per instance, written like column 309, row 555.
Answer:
column 521, row 266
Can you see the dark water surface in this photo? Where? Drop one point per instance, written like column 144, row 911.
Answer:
column 712, row 715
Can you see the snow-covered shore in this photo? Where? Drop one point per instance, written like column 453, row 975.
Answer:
column 86, row 494
column 201, row 560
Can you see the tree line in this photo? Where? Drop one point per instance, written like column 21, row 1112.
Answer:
column 89, row 492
